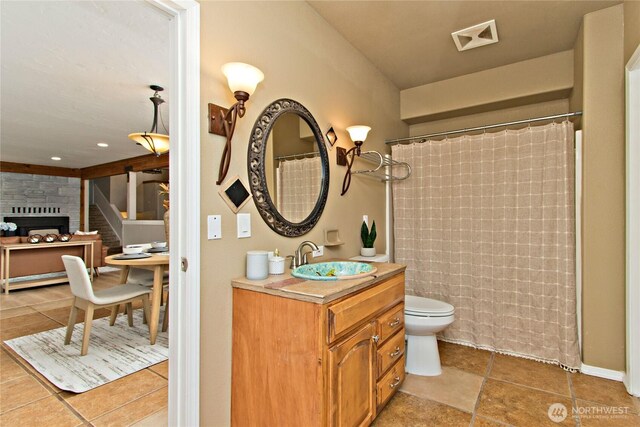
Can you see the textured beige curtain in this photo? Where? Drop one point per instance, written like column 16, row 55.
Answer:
column 487, row 224
column 298, row 187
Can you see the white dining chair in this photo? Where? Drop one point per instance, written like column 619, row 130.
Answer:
column 86, row 299
column 143, row 277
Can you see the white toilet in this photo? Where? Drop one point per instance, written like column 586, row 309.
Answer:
column 423, row 318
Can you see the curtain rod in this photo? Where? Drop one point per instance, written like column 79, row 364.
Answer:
column 302, row 155
column 424, row 138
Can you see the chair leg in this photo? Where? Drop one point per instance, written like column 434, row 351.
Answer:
column 71, row 323
column 130, row 313
column 96, row 271
column 88, row 320
column 165, row 318
column 145, row 306
column 114, row 313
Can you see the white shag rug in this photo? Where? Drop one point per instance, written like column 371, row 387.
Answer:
column 114, row 352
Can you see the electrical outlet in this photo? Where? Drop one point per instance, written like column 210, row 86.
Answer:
column 319, row 252
column 365, row 218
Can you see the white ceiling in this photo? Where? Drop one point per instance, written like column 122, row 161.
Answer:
column 75, row 73
column 411, row 43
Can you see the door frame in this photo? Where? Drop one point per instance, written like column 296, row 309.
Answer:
column 184, row 222
column 632, row 77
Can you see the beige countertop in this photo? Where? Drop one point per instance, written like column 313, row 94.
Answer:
column 316, row 291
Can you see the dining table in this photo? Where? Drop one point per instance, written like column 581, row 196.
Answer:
column 156, row 262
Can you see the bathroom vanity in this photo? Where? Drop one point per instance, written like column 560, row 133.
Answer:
column 317, row 353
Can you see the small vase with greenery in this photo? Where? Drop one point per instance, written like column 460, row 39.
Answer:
column 368, row 239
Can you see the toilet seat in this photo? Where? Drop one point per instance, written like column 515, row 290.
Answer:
column 426, row 307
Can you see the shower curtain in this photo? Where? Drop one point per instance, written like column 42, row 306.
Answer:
column 486, row 223
column 298, row 187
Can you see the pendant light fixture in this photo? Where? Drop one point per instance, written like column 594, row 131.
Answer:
column 157, row 143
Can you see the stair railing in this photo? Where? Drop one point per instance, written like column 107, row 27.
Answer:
column 109, row 211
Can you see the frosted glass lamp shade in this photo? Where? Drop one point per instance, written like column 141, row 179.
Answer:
column 157, row 143
column 358, row 133
column 242, row 77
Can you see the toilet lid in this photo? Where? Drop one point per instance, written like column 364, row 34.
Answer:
column 426, row 306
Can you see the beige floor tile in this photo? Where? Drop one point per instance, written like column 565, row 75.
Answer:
column 19, row 392
column 520, row 406
column 113, row 395
column 608, row 392
column 530, row 373
column 406, row 410
column 9, row 369
column 161, row 368
column 49, row 412
column 13, row 312
column 487, row 422
column 135, row 411
column 595, row 414
column 454, row 388
column 463, row 357
column 28, row 324
column 159, row 419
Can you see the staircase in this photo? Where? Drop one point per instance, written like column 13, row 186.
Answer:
column 109, row 238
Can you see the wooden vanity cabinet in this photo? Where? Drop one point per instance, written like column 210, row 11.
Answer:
column 304, row 363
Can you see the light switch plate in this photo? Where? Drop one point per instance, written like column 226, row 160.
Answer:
column 214, row 227
column 244, row 225
column 319, row 252
column 365, row 218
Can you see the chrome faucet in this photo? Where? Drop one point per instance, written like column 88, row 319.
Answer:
column 299, row 258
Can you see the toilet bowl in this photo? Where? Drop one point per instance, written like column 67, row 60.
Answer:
column 424, row 318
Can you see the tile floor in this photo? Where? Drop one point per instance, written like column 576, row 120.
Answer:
column 29, row 399
column 477, row 388
column 481, row 388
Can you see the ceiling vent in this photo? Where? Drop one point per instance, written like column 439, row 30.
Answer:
column 476, row 36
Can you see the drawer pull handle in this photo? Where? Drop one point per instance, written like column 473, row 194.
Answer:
column 375, row 338
column 395, row 322
column 396, row 352
column 395, row 382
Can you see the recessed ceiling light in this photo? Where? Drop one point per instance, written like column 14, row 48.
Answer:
column 103, row 144
column 56, row 158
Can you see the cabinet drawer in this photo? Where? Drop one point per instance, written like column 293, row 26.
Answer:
column 347, row 313
column 391, row 322
column 390, row 382
column 390, row 352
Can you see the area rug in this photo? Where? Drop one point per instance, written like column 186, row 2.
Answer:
column 114, row 352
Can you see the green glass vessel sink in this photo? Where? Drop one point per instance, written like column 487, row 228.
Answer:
column 337, row 270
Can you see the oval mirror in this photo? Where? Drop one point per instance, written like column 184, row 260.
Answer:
column 288, row 168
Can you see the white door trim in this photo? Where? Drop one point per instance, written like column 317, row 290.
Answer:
column 184, row 176
column 632, row 72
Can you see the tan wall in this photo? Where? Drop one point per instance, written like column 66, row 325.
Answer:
column 604, row 190
column 522, row 112
column 536, row 80
column 576, row 97
column 306, row 60
column 631, row 28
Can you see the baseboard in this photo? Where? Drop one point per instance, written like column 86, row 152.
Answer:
column 608, row 374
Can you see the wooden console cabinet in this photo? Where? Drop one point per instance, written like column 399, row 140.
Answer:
column 300, row 363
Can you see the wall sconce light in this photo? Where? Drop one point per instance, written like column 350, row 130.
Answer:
column 153, row 141
column 358, row 134
column 242, row 79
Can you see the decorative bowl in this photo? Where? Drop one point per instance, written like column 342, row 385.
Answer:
column 334, row 270
column 158, row 244
column 132, row 249
column 50, row 238
column 64, row 237
column 34, row 238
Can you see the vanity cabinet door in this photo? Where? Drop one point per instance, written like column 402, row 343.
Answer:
column 352, row 379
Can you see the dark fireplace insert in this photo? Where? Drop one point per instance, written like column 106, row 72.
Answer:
column 28, row 223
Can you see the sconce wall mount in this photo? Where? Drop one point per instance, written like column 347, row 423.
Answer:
column 242, row 79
